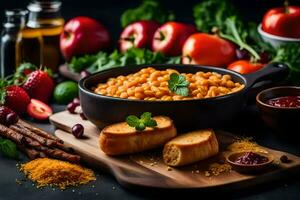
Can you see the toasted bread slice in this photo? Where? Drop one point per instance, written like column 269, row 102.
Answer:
column 190, row 147
column 120, row 138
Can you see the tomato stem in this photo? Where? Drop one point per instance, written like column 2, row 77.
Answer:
column 286, row 6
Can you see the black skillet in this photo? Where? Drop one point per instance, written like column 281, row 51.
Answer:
column 200, row 113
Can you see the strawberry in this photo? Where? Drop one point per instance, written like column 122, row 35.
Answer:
column 15, row 98
column 39, row 85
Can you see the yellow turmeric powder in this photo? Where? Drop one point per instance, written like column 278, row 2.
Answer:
column 46, row 171
column 246, row 144
column 216, row 169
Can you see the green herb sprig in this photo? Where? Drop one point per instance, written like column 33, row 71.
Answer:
column 141, row 123
column 289, row 53
column 133, row 56
column 235, row 32
column 148, row 10
column 178, row 84
column 8, row 148
column 209, row 14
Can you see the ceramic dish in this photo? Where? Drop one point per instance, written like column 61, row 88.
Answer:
column 282, row 120
column 244, row 168
column 275, row 40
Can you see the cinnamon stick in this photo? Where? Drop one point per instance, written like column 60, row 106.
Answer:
column 61, row 155
column 31, row 153
column 35, row 143
column 24, row 131
column 11, row 134
column 51, row 152
column 44, row 141
column 32, row 143
column 39, row 131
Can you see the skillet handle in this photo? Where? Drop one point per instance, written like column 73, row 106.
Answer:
column 273, row 71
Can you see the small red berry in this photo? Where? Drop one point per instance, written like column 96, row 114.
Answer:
column 83, row 117
column 7, row 116
column 76, row 100
column 77, row 130
column 12, row 118
column 71, row 107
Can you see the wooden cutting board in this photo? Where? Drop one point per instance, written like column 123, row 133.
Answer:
column 64, row 71
column 147, row 169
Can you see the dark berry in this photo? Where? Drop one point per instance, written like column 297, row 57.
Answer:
column 84, row 73
column 4, row 112
column 284, row 159
column 77, row 130
column 242, row 54
column 71, row 107
column 83, row 117
column 76, row 100
column 12, row 118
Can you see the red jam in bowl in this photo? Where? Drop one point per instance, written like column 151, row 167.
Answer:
column 251, row 158
column 285, row 102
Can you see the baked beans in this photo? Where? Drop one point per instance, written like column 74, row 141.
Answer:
column 151, row 84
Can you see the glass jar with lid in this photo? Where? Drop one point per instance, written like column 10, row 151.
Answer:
column 45, row 17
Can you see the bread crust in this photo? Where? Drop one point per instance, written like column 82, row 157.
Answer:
column 133, row 141
column 183, row 153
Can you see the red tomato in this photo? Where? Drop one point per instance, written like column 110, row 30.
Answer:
column 283, row 22
column 205, row 49
column 245, row 66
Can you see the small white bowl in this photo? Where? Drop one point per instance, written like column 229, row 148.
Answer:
column 274, row 40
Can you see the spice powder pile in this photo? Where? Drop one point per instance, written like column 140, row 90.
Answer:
column 216, row 169
column 245, row 144
column 45, row 171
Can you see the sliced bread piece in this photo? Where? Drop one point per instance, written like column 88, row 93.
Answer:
column 190, row 147
column 120, row 138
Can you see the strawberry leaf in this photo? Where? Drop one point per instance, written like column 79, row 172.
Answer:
column 2, row 96
column 26, row 67
column 21, row 73
column 3, row 84
column 49, row 71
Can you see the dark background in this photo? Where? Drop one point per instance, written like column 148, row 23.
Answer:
column 106, row 187
column 109, row 11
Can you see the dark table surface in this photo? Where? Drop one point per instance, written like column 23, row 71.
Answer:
column 106, row 187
